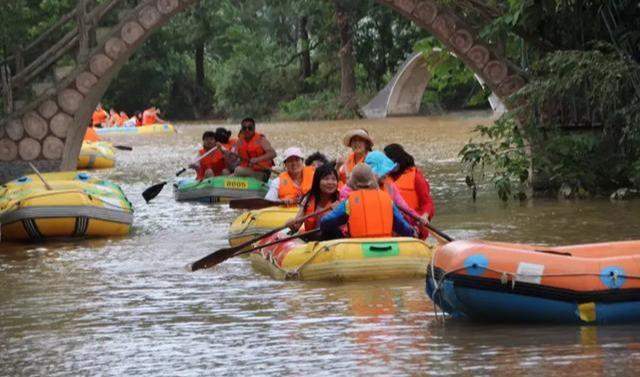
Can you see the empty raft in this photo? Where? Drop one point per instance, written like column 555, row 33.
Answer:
column 218, row 189
column 255, row 223
column 349, row 259
column 77, row 205
column 96, row 155
column 584, row 284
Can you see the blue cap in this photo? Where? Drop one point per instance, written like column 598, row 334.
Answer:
column 379, row 163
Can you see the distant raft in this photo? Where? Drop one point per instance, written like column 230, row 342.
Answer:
column 96, row 155
column 78, row 205
column 218, row 189
column 255, row 223
column 142, row 130
column 581, row 284
column 348, row 259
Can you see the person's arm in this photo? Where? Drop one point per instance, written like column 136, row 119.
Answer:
column 423, row 190
column 269, row 154
column 274, row 188
column 398, row 200
column 400, row 226
column 334, row 219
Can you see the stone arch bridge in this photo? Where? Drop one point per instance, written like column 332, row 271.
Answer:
column 48, row 129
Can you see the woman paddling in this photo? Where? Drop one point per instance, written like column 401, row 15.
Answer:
column 323, row 193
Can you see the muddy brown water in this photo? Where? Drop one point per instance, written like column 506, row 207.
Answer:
column 126, row 306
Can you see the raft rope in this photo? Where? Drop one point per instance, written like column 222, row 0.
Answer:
column 18, row 203
column 295, row 274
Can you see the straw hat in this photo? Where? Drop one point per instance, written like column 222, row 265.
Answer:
column 359, row 132
column 362, row 178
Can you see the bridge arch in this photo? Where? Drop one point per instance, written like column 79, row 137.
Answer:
column 49, row 130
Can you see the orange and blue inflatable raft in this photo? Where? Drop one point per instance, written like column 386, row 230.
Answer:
column 581, row 284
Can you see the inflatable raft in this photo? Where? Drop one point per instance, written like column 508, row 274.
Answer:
column 583, row 284
column 96, row 155
column 255, row 223
column 78, row 205
column 348, row 259
column 142, row 130
column 218, row 189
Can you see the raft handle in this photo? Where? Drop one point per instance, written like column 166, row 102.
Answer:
column 380, row 248
column 554, row 252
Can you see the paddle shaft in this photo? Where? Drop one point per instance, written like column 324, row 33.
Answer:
column 46, row 185
column 299, row 235
column 179, row 173
column 224, row 254
column 440, row 234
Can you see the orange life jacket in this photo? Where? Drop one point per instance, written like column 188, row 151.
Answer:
column 149, row 117
column 406, row 183
column 347, row 167
column 91, row 135
column 212, row 161
column 248, row 149
column 289, row 190
column 370, row 213
column 312, row 222
column 116, row 120
column 98, row 117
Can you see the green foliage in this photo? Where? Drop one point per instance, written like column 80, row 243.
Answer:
column 503, row 150
column 317, row 106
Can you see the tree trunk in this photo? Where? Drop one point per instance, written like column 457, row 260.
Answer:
column 305, row 54
column 347, row 59
column 83, row 32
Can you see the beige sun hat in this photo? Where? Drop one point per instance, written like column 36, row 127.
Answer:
column 362, row 177
column 360, row 132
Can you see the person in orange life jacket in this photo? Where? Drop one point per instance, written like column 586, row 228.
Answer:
column 209, row 166
column 255, row 152
column 114, row 119
column 225, row 145
column 316, row 160
column 138, row 117
column 99, row 117
column 413, row 186
column 368, row 211
column 361, row 144
column 295, row 182
column 150, row 116
column 323, row 193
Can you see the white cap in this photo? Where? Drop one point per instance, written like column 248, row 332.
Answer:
column 292, row 152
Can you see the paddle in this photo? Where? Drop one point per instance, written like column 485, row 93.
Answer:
column 123, row 147
column 226, row 253
column 253, row 203
column 151, row 192
column 442, row 237
column 46, row 185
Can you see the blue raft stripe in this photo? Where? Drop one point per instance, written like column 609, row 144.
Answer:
column 476, row 264
column 612, row 277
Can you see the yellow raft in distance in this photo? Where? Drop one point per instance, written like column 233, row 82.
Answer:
column 78, row 205
column 96, row 155
column 348, row 259
column 255, row 223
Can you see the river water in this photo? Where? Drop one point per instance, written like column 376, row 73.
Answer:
column 126, row 306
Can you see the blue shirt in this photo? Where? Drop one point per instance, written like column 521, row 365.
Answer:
column 339, row 216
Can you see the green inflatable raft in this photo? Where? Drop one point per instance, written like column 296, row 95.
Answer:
column 218, row 189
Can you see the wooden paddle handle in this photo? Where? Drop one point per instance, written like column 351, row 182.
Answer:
column 46, row 185
column 435, row 230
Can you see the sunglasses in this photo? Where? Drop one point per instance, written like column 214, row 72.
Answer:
column 247, row 128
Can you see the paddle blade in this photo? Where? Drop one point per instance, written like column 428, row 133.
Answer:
column 123, row 147
column 153, row 191
column 212, row 259
column 252, row 203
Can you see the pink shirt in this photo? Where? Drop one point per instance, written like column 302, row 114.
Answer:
column 393, row 192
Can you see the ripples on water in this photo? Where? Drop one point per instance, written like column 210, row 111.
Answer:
column 126, row 306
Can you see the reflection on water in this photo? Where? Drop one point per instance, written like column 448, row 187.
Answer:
column 126, row 306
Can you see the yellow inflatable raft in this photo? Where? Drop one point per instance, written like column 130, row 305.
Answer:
column 348, row 259
column 258, row 222
column 157, row 128
column 96, row 155
column 77, row 205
